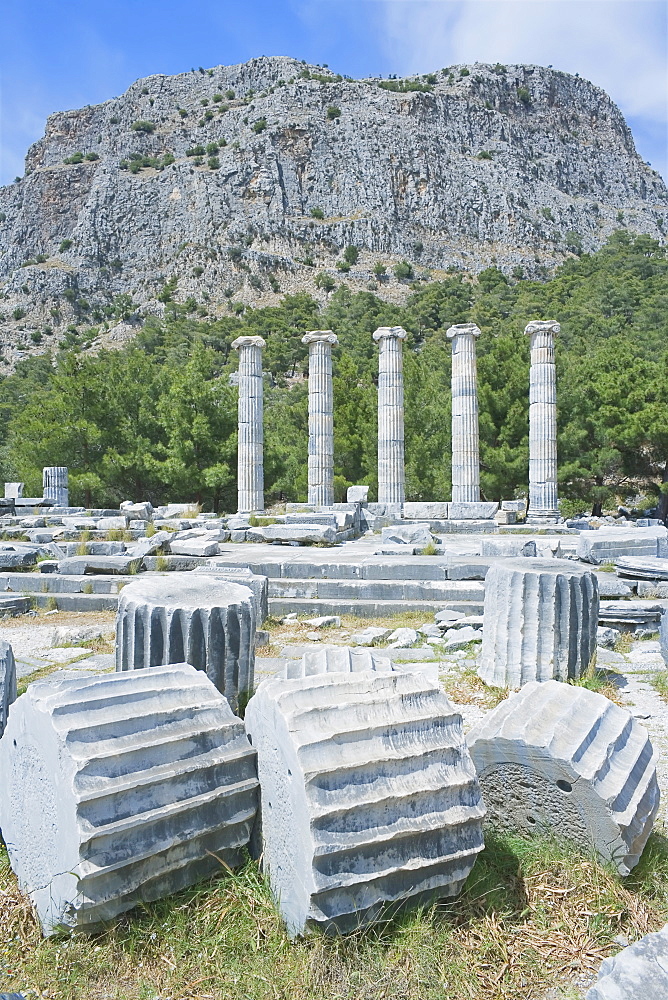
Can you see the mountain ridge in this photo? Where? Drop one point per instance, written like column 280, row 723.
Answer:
column 228, row 187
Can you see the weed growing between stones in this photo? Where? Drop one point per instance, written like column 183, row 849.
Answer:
column 659, row 682
column 534, row 914
column 465, row 687
column 602, row 681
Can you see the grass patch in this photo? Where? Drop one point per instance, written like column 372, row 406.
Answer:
column 465, row 687
column 261, row 522
column 532, row 915
column 659, row 682
column 608, row 567
column 602, row 681
column 623, row 644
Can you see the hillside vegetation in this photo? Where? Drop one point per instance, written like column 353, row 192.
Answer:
column 157, row 419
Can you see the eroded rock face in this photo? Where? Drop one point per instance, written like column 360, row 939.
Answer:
column 369, row 796
column 122, row 788
column 489, row 166
column 561, row 758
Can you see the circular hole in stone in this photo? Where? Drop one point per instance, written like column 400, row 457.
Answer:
column 565, row 786
column 531, row 820
column 289, row 773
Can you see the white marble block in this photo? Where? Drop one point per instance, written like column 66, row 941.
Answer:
column 194, row 618
column 320, row 417
column 557, row 757
column 540, row 621
column 7, row 682
column 368, row 795
column 122, row 788
column 465, row 437
column 639, row 972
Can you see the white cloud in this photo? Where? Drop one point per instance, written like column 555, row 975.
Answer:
column 619, row 45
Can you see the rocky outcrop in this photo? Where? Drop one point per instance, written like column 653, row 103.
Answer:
column 289, row 164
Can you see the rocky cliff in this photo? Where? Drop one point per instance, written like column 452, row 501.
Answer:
column 234, row 185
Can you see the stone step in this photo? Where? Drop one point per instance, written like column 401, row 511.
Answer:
column 54, row 583
column 280, row 606
column 378, row 590
column 73, row 602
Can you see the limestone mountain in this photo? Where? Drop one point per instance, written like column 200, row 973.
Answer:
column 228, row 187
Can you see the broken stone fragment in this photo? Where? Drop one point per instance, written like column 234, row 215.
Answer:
column 369, row 796
column 7, row 682
column 121, row 789
column 639, row 972
column 557, row 757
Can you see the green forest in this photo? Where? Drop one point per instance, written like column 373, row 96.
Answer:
column 157, row 419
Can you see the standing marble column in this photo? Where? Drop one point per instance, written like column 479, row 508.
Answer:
column 391, row 476
column 465, row 438
column 55, row 485
column 251, row 433
column 543, row 506
column 320, row 417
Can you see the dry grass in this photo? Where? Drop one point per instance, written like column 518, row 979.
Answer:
column 62, row 618
column 533, row 915
column 465, row 687
column 603, row 681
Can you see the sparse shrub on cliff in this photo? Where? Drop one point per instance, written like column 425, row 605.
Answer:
column 325, row 281
column 229, row 94
column 74, row 158
column 142, row 126
column 524, row 95
column 465, row 72
column 405, row 86
column 212, row 148
column 91, row 156
column 197, row 150
column 317, row 213
column 333, row 112
column 260, row 125
column 403, row 271
column 351, row 254
column 213, row 163
column 18, row 313
column 485, row 154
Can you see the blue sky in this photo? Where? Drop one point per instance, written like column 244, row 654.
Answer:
column 59, row 54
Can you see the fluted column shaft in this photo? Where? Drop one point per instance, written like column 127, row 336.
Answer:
column 250, row 483
column 543, row 502
column 465, row 436
column 391, row 476
column 320, row 417
column 55, row 484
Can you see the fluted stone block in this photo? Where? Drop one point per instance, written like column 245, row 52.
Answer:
column 250, row 463
column 7, row 682
column 540, row 621
column 259, row 585
column 557, row 757
column 122, row 788
column 465, row 437
column 338, row 659
column 368, row 793
column 55, row 485
column 639, row 972
column 543, row 502
column 320, row 417
column 391, row 473
column 198, row 619
column 663, row 635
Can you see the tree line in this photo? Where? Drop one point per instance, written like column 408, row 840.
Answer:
column 156, row 420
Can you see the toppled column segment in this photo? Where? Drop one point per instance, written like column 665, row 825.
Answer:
column 122, row 788
column 556, row 757
column 369, row 796
column 198, row 619
column 540, row 621
column 7, row 682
